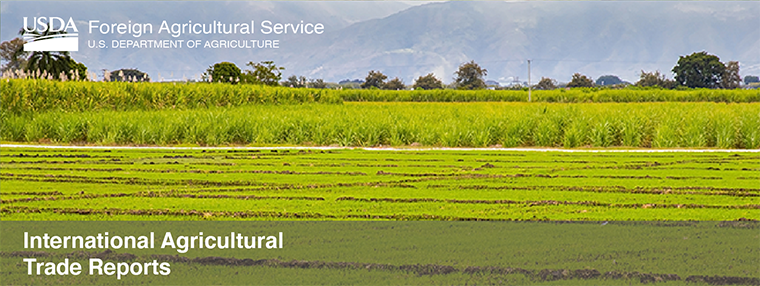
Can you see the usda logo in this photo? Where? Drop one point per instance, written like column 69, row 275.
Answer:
column 50, row 34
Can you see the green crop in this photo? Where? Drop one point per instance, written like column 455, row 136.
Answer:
column 656, row 125
column 577, row 95
column 24, row 96
column 385, row 185
column 421, row 253
column 28, row 96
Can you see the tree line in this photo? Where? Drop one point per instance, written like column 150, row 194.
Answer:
column 698, row 70
column 53, row 65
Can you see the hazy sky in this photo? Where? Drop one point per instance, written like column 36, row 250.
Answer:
column 618, row 37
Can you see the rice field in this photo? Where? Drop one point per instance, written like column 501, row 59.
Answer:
column 345, row 184
column 425, row 253
column 678, row 253
column 612, row 218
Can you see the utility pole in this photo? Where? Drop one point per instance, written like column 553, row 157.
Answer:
column 529, row 88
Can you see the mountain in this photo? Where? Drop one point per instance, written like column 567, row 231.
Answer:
column 334, row 15
column 594, row 38
column 561, row 38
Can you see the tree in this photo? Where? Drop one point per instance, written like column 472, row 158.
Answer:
column 428, row 82
column 608, row 80
column 134, row 75
column 470, row 76
column 295, row 81
column 13, row 54
column 317, row 83
column 731, row 78
column 699, row 70
column 54, row 64
column 374, row 79
column 266, row 73
column 655, row 79
column 546, row 84
column 223, row 72
column 751, row 78
column 580, row 80
column 394, row 84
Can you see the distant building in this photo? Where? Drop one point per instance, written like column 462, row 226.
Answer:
column 492, row 83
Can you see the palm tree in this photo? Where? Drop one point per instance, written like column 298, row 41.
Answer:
column 54, row 63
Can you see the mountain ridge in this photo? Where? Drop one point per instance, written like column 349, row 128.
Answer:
column 561, row 38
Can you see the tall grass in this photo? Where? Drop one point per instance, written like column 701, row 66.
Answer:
column 578, row 95
column 660, row 125
column 35, row 95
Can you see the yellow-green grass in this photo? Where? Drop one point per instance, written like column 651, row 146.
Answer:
column 27, row 95
column 655, row 125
